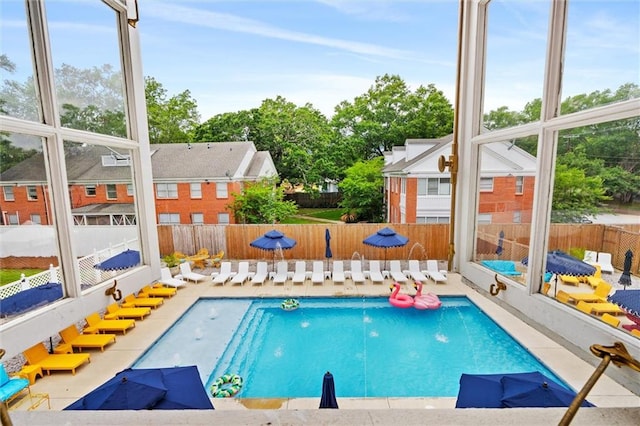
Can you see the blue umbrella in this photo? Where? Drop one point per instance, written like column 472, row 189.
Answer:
column 328, row 398
column 124, row 260
column 175, row 388
column 510, row 390
column 625, row 278
column 184, row 390
column 629, row 300
column 560, row 263
column 272, row 241
column 499, row 249
column 127, row 390
column 327, row 250
column 385, row 238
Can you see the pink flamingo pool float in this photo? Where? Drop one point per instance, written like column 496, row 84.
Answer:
column 400, row 300
column 425, row 301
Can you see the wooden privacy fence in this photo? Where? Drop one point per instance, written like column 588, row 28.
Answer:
column 426, row 241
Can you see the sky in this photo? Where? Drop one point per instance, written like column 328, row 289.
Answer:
column 233, row 54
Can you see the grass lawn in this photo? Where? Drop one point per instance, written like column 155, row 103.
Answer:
column 10, row 275
column 330, row 214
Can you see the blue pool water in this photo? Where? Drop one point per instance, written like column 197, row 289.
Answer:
column 371, row 348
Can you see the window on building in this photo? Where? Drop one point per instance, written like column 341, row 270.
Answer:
column 517, row 217
column 196, row 190
column 169, row 218
column 486, row 184
column 422, row 187
column 221, row 190
column 90, row 190
column 223, row 218
column 403, row 186
column 519, row 185
column 130, row 189
column 112, row 192
column 8, row 193
column 166, row 190
column 484, row 218
column 13, row 219
column 432, row 219
column 438, row 186
column 35, row 218
column 197, row 218
column 32, row 193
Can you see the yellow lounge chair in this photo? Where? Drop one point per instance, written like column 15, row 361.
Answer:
column 596, row 278
column 610, row 319
column 38, row 355
column 570, row 279
column 71, row 336
column 599, row 294
column 635, row 332
column 95, row 324
column 158, row 291
column 132, row 301
column 600, row 308
column 115, row 311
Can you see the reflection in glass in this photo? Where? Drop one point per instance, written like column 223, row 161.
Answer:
column 514, row 70
column 28, row 248
column 17, row 90
column 88, row 74
column 102, row 207
column 505, row 205
column 602, row 56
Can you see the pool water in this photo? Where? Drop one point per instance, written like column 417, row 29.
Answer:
column 371, row 348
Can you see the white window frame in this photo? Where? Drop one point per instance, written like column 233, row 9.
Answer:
column 107, row 190
column 517, row 216
column 90, row 190
column 8, row 193
column 197, row 218
column 35, row 218
column 195, row 189
column 32, row 193
column 13, row 218
column 130, row 190
column 519, row 185
column 485, row 184
column 222, row 190
column 167, row 191
column 169, row 218
column 224, row 218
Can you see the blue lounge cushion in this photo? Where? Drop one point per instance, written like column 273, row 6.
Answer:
column 504, row 267
column 10, row 386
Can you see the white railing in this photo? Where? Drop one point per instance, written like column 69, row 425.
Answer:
column 89, row 275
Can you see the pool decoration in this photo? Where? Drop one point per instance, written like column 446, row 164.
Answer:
column 290, row 304
column 226, row 386
column 425, row 301
column 399, row 300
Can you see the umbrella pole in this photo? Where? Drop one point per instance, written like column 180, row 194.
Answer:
column 616, row 353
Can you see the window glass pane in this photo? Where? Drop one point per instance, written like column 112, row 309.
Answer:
column 223, row 218
column 444, row 186
column 169, row 218
column 197, row 218
column 602, row 59
column 17, row 91
column 88, row 79
column 104, row 223
column 504, row 217
column 196, row 190
column 422, row 187
column 432, row 186
column 28, row 242
column 514, row 70
column 221, row 190
column 167, row 190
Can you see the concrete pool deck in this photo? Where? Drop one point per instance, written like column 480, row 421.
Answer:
column 64, row 388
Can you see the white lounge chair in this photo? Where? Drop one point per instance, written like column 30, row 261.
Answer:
column 356, row 274
column 188, row 274
column 396, row 272
column 242, row 275
column 590, row 256
column 337, row 275
column 282, row 270
column 604, row 260
column 432, row 272
column 317, row 273
column 169, row 281
column 415, row 273
column 375, row 273
column 261, row 273
column 224, row 275
column 300, row 272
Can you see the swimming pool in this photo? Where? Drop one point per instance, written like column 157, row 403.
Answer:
column 371, row 348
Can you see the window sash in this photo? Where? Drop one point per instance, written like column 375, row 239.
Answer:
column 221, row 190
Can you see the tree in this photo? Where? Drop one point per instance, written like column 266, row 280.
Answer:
column 362, row 190
column 389, row 113
column 106, row 122
column 227, row 127
column 262, row 202
column 576, row 195
column 171, row 119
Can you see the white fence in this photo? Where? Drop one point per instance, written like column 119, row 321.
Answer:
column 89, row 275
